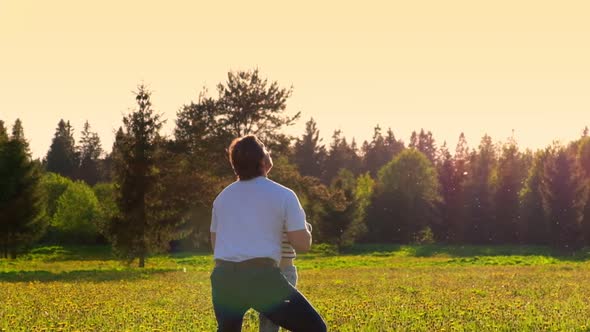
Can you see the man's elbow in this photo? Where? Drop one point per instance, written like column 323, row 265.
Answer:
column 301, row 241
column 302, row 247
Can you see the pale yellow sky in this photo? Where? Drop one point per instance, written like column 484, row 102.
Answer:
column 448, row 66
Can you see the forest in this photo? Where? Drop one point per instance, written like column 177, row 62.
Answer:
column 152, row 192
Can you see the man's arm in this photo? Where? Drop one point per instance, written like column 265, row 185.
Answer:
column 213, row 238
column 300, row 240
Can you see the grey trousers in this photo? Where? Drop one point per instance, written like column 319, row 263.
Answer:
column 265, row 325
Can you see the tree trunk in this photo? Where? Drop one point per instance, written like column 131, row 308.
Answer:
column 13, row 254
column 142, row 260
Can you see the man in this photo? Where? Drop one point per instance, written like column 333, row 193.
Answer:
column 249, row 217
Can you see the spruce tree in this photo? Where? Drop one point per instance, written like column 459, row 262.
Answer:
column 62, row 157
column 21, row 198
column 564, row 193
column 510, row 174
column 90, row 151
column 309, row 153
column 145, row 223
column 480, row 193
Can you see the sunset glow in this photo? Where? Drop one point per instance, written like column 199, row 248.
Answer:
column 447, row 66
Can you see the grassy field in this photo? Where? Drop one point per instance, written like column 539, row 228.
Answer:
column 369, row 288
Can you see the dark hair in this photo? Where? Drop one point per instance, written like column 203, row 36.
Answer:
column 245, row 155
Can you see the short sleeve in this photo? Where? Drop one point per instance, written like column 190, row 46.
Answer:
column 294, row 214
column 213, row 227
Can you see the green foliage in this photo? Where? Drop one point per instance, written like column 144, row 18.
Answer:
column 584, row 158
column 534, row 222
column 186, row 195
column 73, row 211
column 347, row 223
column 106, row 196
column 90, row 151
column 510, row 174
column 309, row 153
column 148, row 217
column 198, row 132
column 62, row 157
column 249, row 104
column 479, row 191
column 77, row 214
column 341, row 155
column 406, row 198
column 357, row 229
column 54, row 185
column 380, row 151
column 22, row 206
column 493, row 194
column 424, row 236
column 446, row 230
column 340, row 217
column 424, row 142
column 564, row 192
column 3, row 133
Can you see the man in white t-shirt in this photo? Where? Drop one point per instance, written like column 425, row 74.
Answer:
column 249, row 217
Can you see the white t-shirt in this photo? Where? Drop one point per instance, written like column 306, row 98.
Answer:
column 249, row 218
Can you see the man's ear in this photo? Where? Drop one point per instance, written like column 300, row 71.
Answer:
column 266, row 163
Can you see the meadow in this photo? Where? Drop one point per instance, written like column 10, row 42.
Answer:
column 367, row 288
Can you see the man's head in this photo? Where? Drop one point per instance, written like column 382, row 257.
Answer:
column 249, row 158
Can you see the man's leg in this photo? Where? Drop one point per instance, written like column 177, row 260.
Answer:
column 227, row 320
column 265, row 324
column 227, row 304
column 288, row 308
column 296, row 314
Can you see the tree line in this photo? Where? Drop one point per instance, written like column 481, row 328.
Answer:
column 153, row 192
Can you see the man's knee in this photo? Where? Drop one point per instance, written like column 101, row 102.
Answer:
column 318, row 326
column 322, row 327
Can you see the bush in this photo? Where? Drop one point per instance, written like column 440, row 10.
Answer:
column 73, row 211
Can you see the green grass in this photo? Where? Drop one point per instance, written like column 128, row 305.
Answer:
column 372, row 288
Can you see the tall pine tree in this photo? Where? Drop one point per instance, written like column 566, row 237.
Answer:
column 480, row 194
column 424, row 142
column 62, row 157
column 380, row 150
column 534, row 226
column 146, row 222
column 456, row 206
column 341, row 155
column 3, row 133
column 564, row 193
column 443, row 231
column 309, row 152
column 510, row 174
column 21, row 198
column 584, row 157
column 90, row 151
column 250, row 104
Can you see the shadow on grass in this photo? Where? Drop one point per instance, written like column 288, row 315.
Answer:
column 80, row 275
column 57, row 253
column 465, row 251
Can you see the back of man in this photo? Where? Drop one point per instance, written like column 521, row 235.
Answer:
column 257, row 212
